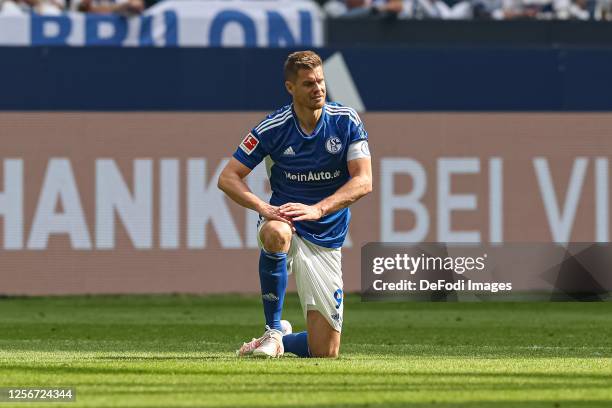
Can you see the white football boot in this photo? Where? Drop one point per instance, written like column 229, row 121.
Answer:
column 247, row 348
column 271, row 344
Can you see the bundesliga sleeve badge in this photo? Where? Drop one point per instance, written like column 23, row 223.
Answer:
column 249, row 143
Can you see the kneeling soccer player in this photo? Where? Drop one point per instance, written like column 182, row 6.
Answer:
column 318, row 162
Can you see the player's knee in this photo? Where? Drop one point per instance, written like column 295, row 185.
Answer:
column 332, row 352
column 325, row 349
column 276, row 237
column 326, row 352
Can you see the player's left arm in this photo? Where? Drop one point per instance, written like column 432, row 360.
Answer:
column 358, row 186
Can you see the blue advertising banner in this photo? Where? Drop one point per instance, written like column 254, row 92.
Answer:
column 250, row 79
column 176, row 23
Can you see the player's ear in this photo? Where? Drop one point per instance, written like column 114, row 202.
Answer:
column 289, row 87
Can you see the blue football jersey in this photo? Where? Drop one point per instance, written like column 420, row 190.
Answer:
column 306, row 168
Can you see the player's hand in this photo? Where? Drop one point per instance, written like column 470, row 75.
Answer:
column 301, row 212
column 271, row 212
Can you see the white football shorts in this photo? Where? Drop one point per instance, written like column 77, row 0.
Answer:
column 318, row 276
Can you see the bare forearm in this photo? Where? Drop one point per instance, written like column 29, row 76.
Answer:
column 346, row 195
column 239, row 192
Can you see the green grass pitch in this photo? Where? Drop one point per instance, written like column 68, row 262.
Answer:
column 178, row 351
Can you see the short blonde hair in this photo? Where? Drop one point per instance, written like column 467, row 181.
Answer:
column 300, row 60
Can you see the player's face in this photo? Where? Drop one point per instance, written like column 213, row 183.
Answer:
column 308, row 89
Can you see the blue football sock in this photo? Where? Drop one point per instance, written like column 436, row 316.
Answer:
column 297, row 343
column 273, row 280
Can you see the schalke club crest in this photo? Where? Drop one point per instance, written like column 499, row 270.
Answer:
column 333, row 144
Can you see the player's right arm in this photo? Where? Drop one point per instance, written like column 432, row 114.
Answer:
column 231, row 180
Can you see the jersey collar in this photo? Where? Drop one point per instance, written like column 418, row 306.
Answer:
column 320, row 123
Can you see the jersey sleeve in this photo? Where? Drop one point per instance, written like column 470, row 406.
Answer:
column 356, row 129
column 358, row 139
column 251, row 150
